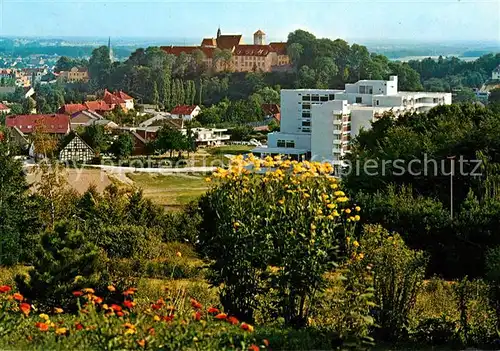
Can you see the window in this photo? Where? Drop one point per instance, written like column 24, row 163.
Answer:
column 377, row 102
column 358, row 100
column 290, row 143
column 306, row 130
column 306, row 123
column 306, row 114
column 306, row 98
column 315, row 98
column 324, row 98
column 331, row 97
column 281, row 143
column 362, row 89
column 435, row 100
column 306, row 106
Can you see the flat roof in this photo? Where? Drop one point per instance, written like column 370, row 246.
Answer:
column 279, row 150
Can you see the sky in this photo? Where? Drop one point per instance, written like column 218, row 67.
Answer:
column 419, row 20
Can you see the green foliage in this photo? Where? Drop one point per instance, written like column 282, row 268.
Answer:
column 97, row 138
column 123, row 146
column 398, row 273
column 13, row 205
column 66, row 262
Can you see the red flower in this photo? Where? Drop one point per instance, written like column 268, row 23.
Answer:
column 233, row 320
column 151, row 331
column 155, row 306
column 196, row 305
column 213, row 310
column 129, row 304
column 116, row 308
column 246, row 327
column 119, row 314
column 5, row 288
column 18, row 297
column 78, row 326
column 221, row 316
column 98, row 299
column 168, row 318
column 197, row 315
column 77, row 293
column 42, row 326
column 253, row 347
column 25, row 308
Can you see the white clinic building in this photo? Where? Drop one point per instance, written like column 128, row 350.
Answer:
column 318, row 124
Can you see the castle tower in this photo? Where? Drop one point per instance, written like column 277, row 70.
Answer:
column 259, row 38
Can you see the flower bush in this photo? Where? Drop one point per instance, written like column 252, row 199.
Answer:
column 277, row 231
column 163, row 324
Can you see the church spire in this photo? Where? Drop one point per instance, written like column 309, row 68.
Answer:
column 218, row 33
column 109, row 49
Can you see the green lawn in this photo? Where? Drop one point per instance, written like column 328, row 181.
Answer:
column 171, row 191
column 214, row 157
column 230, row 150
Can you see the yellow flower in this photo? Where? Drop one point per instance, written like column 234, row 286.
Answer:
column 357, row 218
column 361, row 256
column 58, row 310
column 331, row 206
column 348, row 239
column 236, row 224
column 347, row 211
column 178, row 254
column 111, row 288
column 60, row 331
column 44, row 316
column 355, row 243
column 313, row 227
column 156, row 318
column 130, row 331
column 358, row 208
column 282, row 201
column 334, row 186
column 88, row 291
column 339, row 193
column 208, row 180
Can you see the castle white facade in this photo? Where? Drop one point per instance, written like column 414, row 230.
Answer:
column 318, row 124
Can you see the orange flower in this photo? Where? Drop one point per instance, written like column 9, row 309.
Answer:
column 116, row 308
column 213, row 310
column 119, row 314
column 111, row 288
column 58, row 310
column 25, row 308
column 129, row 304
column 77, row 293
column 221, row 316
column 151, row 331
column 196, row 304
column 42, row 326
column 178, row 254
column 246, row 327
column 197, row 315
column 266, row 342
column 97, row 299
column 18, row 297
column 233, row 320
column 129, row 292
column 253, row 347
column 5, row 288
column 88, row 291
column 141, row 342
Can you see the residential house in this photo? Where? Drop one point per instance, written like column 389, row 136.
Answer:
column 98, row 106
column 158, row 118
column 4, row 109
column 74, row 75
column 272, row 111
column 209, row 136
column 70, row 109
column 186, row 112
column 106, row 123
column 58, row 124
column 119, row 98
column 77, row 150
column 84, row 118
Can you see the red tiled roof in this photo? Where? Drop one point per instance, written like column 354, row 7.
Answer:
column 123, row 95
column 54, row 124
column 177, row 50
column 271, row 109
column 112, row 99
column 228, row 41
column 70, row 109
column 209, row 42
column 183, row 110
column 252, row 50
column 279, row 48
column 259, row 32
column 98, row 105
column 3, row 107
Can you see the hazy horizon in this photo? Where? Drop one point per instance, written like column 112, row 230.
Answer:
column 363, row 20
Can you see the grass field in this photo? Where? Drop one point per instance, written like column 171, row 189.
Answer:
column 214, row 157
column 171, row 191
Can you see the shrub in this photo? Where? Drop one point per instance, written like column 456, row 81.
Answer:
column 293, row 219
column 66, row 262
column 398, row 276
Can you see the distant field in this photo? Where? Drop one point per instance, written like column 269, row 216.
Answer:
column 171, row 191
column 214, row 157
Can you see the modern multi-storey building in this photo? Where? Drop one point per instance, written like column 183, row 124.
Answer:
column 318, row 124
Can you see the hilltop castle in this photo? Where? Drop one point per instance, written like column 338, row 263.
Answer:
column 255, row 57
